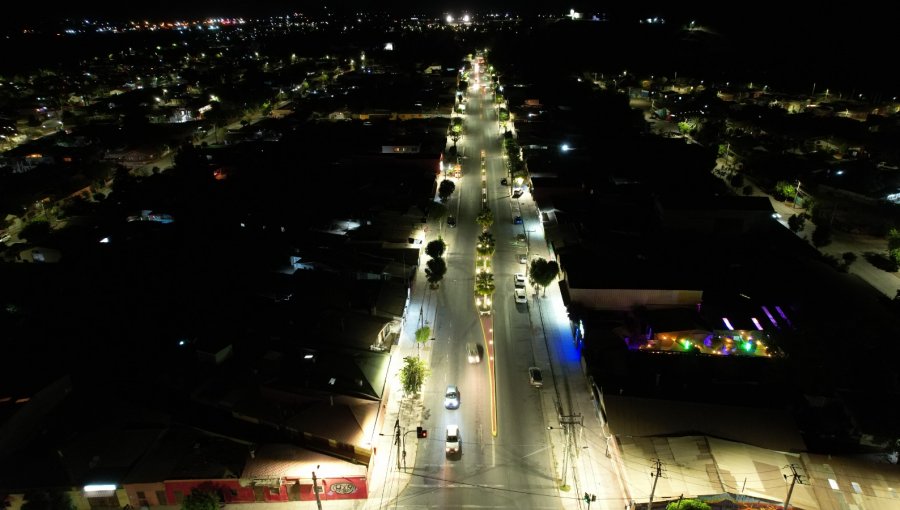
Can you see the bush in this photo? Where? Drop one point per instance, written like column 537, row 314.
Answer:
column 687, row 504
column 821, row 236
column 797, row 222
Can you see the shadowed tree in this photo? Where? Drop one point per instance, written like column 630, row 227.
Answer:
column 200, row 500
column 445, row 189
column 542, row 273
column 435, row 249
column 796, row 222
column 36, row 232
column 48, row 500
column 435, row 269
column 893, row 239
column 849, row 258
column 821, row 236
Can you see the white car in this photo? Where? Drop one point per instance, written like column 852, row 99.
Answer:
column 520, row 296
column 520, row 280
column 452, row 447
column 451, row 397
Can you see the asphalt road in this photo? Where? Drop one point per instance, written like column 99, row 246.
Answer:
column 512, row 470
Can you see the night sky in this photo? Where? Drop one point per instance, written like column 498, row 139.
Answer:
column 828, row 31
column 822, row 18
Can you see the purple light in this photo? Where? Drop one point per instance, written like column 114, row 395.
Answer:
column 783, row 316
column 727, row 323
column 756, row 323
column 769, row 315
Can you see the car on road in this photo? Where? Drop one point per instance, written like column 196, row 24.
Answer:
column 519, row 278
column 518, row 192
column 473, row 353
column 520, row 296
column 517, row 220
column 521, row 238
column 504, row 182
column 535, row 377
column 452, row 444
column 522, row 258
column 451, row 397
column 451, row 221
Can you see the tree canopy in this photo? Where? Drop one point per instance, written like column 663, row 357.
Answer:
column 484, row 284
column 435, row 269
column 200, row 500
column 687, row 504
column 445, row 189
column 485, row 218
column 542, row 272
column 435, row 249
column 48, row 500
column 413, row 375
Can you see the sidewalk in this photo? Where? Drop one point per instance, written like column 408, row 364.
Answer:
column 387, row 478
column 586, row 464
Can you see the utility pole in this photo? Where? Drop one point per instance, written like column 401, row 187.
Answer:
column 316, row 489
column 795, row 477
column 567, row 421
column 397, row 441
column 656, row 474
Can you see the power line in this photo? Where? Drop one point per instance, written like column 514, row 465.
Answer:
column 795, row 478
column 656, row 476
column 501, row 489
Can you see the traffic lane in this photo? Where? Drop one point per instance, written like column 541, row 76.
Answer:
column 520, row 407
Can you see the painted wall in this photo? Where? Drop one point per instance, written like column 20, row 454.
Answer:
column 232, row 491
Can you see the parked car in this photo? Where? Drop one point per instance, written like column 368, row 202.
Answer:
column 451, row 397
column 522, row 258
column 535, row 377
column 451, row 221
column 520, row 296
column 473, row 353
column 519, row 279
column 518, row 192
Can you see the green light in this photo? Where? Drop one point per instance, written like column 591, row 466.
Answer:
column 748, row 346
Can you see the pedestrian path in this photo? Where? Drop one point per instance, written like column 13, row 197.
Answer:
column 583, row 450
